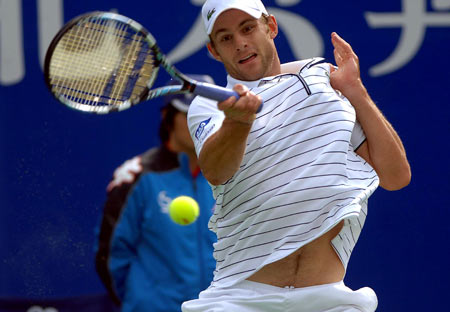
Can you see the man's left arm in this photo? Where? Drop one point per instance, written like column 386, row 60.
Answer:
column 383, row 149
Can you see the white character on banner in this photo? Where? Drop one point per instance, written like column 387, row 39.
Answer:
column 40, row 309
column 12, row 62
column 414, row 21
column 296, row 28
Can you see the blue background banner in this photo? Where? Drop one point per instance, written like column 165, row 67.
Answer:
column 55, row 163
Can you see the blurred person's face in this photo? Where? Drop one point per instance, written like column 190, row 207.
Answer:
column 181, row 140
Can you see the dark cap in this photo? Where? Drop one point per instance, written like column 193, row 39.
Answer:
column 182, row 101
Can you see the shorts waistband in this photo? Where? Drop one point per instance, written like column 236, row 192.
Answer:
column 267, row 289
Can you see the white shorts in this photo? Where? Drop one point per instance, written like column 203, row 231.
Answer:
column 248, row 296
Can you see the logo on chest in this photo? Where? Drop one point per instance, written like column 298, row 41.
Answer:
column 164, row 202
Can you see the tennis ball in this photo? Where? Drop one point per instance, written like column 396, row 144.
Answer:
column 183, row 210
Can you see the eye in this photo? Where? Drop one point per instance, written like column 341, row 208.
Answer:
column 225, row 38
column 248, row 28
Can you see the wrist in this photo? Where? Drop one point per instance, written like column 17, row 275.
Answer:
column 240, row 120
column 356, row 92
column 236, row 129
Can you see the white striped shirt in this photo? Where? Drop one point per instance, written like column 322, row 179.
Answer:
column 299, row 176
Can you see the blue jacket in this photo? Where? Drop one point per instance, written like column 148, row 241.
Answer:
column 153, row 263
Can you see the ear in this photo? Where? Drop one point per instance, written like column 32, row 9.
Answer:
column 163, row 112
column 212, row 50
column 273, row 26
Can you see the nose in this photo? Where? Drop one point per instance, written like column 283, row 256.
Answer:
column 240, row 42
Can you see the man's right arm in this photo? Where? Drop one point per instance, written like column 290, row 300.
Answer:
column 222, row 153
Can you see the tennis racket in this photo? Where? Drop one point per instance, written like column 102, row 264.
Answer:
column 101, row 62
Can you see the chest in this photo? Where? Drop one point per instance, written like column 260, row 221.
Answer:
column 294, row 112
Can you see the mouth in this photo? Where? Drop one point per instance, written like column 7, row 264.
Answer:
column 248, row 58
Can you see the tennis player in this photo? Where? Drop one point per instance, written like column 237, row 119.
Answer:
column 293, row 181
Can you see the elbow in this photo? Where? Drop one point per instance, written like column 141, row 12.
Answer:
column 215, row 182
column 397, row 181
column 215, row 171
column 212, row 179
column 213, row 175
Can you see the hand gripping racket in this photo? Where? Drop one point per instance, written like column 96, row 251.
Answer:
column 101, row 62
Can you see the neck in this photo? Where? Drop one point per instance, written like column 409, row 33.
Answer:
column 192, row 156
column 193, row 163
column 273, row 70
column 276, row 66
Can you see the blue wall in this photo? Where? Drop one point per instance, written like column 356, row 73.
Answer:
column 55, row 162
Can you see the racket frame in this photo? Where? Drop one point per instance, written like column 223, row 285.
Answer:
column 188, row 85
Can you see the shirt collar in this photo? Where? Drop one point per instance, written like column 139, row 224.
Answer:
column 183, row 160
column 231, row 82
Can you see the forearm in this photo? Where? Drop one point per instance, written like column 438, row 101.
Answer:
column 222, row 153
column 386, row 152
column 384, row 149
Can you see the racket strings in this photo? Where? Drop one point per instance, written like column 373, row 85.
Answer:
column 114, row 86
column 101, row 62
column 128, row 74
column 73, row 70
column 87, row 90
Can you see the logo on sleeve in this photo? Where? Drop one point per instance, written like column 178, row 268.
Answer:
column 201, row 128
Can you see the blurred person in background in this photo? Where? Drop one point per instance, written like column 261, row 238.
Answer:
column 145, row 260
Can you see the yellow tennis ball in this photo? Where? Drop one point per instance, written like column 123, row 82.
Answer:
column 183, row 210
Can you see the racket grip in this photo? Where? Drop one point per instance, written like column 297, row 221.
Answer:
column 217, row 93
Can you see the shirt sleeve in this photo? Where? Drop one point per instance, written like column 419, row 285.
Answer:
column 204, row 119
column 358, row 136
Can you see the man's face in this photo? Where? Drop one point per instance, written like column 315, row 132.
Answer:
column 245, row 45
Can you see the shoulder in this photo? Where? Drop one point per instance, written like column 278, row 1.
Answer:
column 201, row 112
column 297, row 67
column 200, row 104
column 316, row 71
column 204, row 119
column 316, row 64
column 159, row 159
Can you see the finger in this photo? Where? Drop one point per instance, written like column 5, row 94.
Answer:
column 241, row 110
column 338, row 58
column 337, row 40
column 246, row 105
column 240, row 89
column 332, row 68
column 227, row 104
column 253, row 101
column 248, row 101
column 343, row 47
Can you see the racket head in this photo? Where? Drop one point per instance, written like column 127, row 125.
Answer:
column 101, row 62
